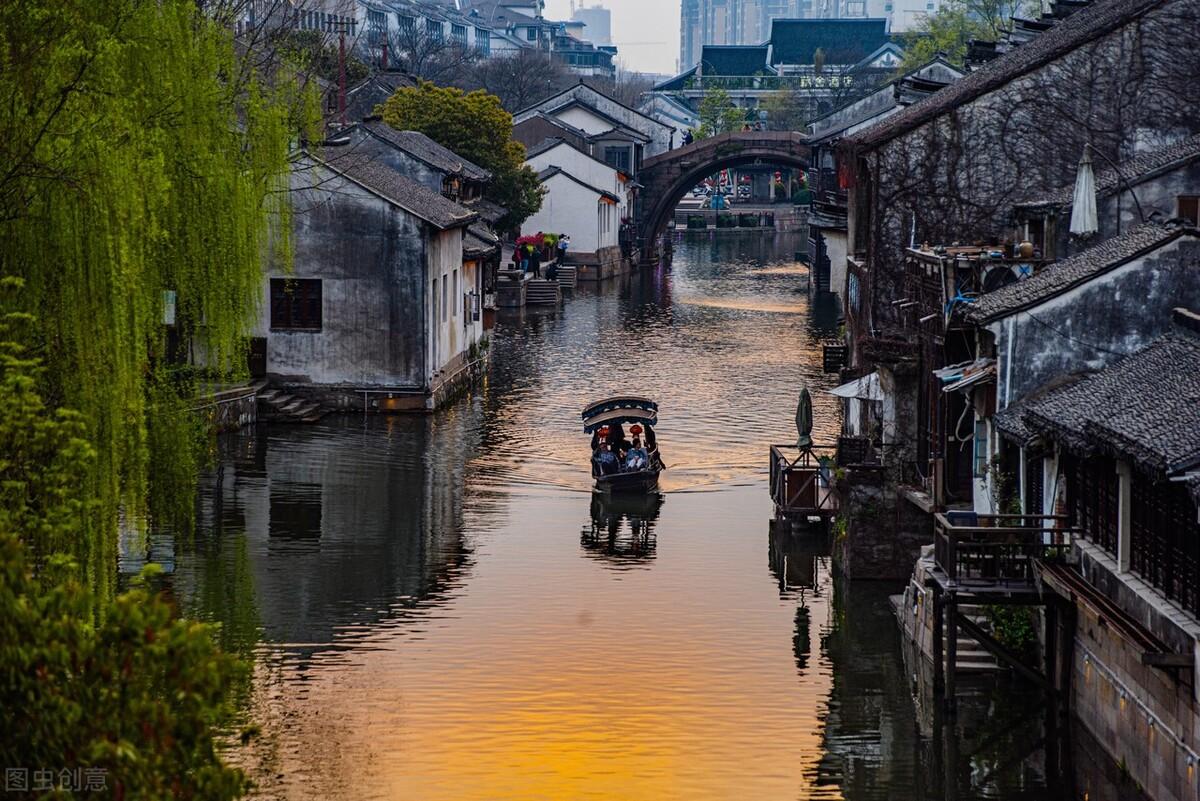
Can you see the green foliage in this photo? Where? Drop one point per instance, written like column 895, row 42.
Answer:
column 839, row 527
column 475, row 126
column 955, row 24
column 141, row 156
column 785, row 110
column 1013, row 627
column 718, row 114
column 137, row 696
column 312, row 52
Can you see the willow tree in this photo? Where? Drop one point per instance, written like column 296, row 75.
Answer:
column 139, row 156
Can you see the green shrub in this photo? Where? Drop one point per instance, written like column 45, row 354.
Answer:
column 123, row 688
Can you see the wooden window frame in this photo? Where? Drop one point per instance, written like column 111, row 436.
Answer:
column 297, row 304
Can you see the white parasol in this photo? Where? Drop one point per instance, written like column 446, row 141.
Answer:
column 1083, row 208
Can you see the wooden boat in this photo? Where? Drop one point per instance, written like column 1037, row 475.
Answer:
column 605, row 420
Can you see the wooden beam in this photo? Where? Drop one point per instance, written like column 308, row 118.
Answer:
column 1003, row 654
column 1167, row 660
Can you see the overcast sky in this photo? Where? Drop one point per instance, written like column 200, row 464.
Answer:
column 646, row 32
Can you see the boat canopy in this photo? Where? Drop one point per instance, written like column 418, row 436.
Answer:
column 624, row 409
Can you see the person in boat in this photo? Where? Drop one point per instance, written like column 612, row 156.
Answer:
column 636, row 457
column 616, row 439
column 606, row 461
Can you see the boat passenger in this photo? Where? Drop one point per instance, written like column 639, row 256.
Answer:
column 636, row 457
column 606, row 460
column 616, row 439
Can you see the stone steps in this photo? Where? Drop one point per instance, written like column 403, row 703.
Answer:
column 540, row 292
column 566, row 276
column 278, row 406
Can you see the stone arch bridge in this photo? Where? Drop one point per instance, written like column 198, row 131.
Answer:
column 668, row 176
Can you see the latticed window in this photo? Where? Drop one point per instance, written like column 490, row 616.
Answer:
column 1093, row 493
column 1165, row 539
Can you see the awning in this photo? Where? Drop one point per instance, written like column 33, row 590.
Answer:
column 866, row 388
column 960, row 376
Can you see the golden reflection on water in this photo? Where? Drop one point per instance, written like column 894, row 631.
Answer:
column 581, row 682
column 472, row 631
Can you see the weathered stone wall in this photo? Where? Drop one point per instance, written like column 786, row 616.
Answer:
column 960, row 175
column 1144, row 717
column 370, row 257
column 230, row 410
column 1122, row 312
column 1157, row 194
column 884, row 532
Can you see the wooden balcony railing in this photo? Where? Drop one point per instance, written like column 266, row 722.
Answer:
column 800, row 481
column 998, row 548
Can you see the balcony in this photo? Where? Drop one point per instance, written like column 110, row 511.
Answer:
column 997, row 554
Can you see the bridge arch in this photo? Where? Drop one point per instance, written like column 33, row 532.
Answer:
column 667, row 177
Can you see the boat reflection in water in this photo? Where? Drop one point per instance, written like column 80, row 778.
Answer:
column 621, row 530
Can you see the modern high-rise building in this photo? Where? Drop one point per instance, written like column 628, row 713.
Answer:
column 598, row 20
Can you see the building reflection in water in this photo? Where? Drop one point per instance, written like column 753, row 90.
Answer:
column 621, row 530
column 346, row 524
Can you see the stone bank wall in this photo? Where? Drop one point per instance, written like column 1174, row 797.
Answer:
column 883, row 531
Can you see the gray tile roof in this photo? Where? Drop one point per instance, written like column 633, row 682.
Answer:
column 544, row 145
column 735, row 60
column 844, row 41
column 480, row 241
column 1086, row 25
column 404, row 192
column 489, row 211
column 421, row 147
column 365, row 96
column 1137, row 169
column 1061, row 276
column 1145, row 407
column 552, row 171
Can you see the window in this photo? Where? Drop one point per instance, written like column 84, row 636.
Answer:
column 408, row 25
column 531, row 34
column 458, row 34
column 455, row 292
column 445, row 298
column 1189, row 208
column 617, row 157
column 981, row 449
column 483, row 41
column 433, row 29
column 295, row 304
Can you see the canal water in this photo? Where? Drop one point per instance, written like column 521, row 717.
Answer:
column 437, row 608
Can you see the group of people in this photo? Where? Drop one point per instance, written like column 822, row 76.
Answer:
column 615, row 454
column 528, row 257
column 689, row 137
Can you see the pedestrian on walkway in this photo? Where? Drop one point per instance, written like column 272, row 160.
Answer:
column 535, row 262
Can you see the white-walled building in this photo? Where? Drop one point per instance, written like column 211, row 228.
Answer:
column 588, row 214
column 601, row 116
column 380, row 310
column 560, row 153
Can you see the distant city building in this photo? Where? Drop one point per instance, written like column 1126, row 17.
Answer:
column 598, row 20
column 743, row 22
column 823, row 63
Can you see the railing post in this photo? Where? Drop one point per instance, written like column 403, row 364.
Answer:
column 951, row 650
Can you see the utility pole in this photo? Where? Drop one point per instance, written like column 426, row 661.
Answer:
column 342, row 24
